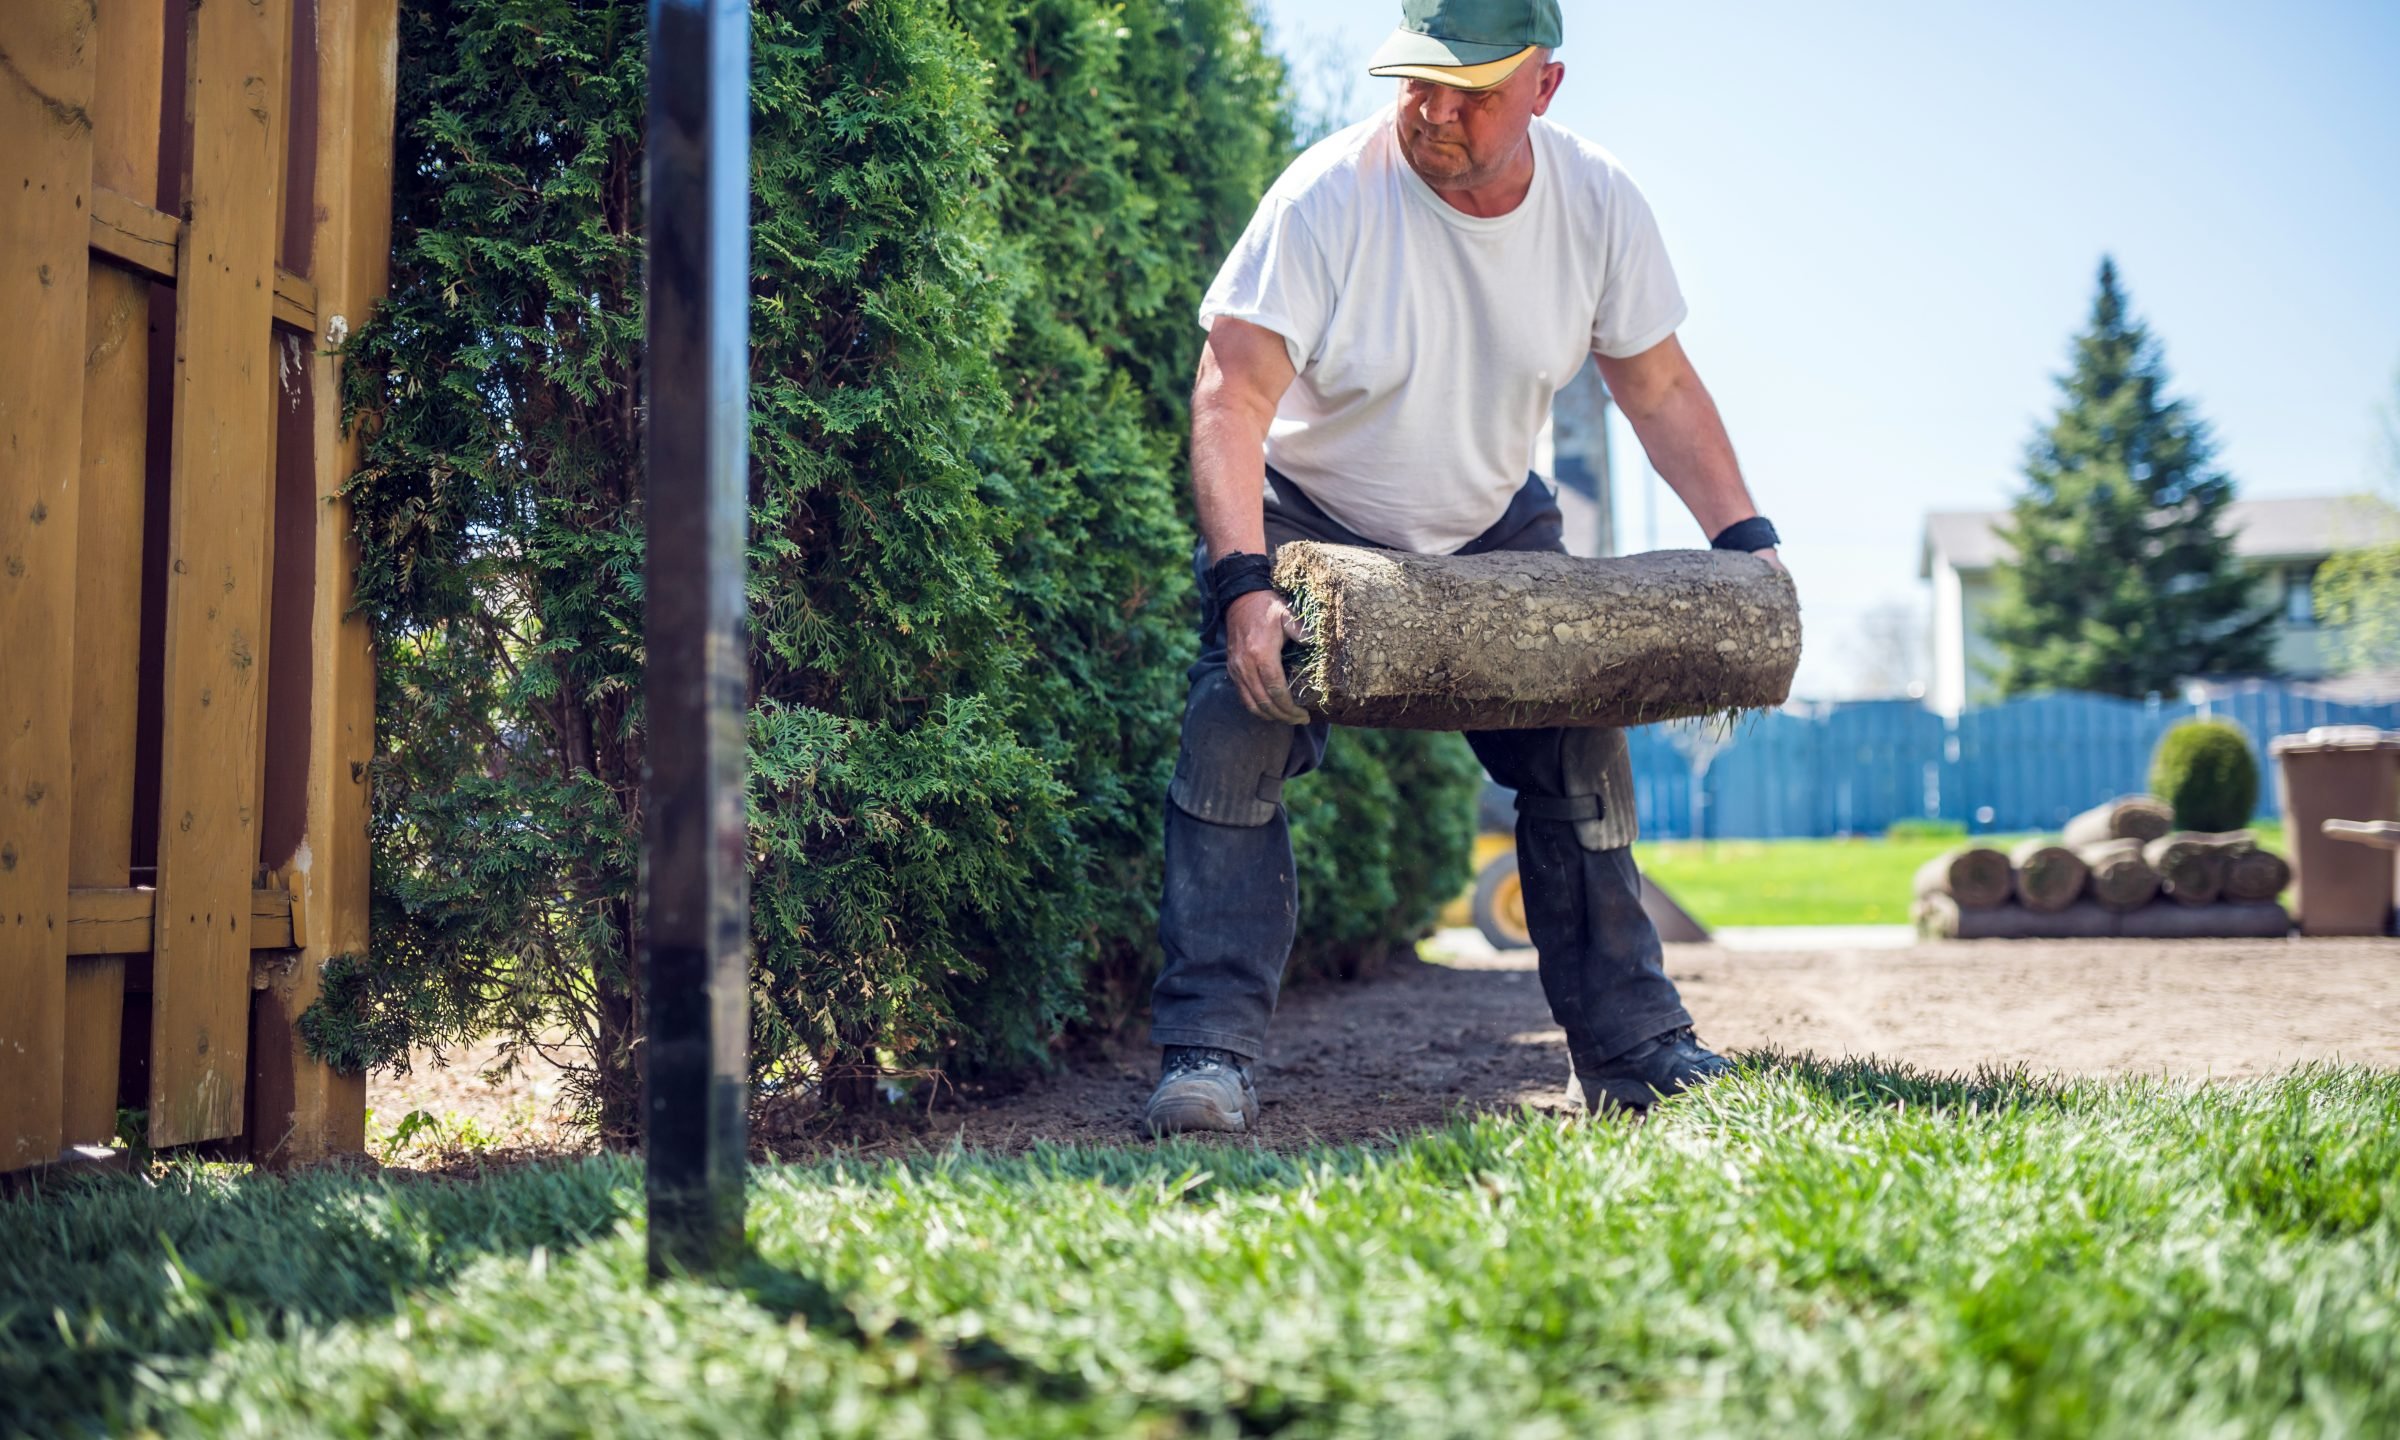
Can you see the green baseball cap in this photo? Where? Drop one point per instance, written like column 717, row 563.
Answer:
column 1472, row 44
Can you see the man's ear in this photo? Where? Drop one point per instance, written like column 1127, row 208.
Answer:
column 1552, row 74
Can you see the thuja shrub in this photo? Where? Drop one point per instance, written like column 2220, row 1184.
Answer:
column 980, row 232
column 2205, row 771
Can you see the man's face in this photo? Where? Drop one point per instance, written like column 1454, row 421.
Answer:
column 1463, row 139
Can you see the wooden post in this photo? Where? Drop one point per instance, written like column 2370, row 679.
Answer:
column 45, row 240
column 696, row 368
column 305, row 1110
column 222, row 460
column 108, row 565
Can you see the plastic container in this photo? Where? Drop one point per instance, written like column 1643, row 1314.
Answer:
column 2339, row 772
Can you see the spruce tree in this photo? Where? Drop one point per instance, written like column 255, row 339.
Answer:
column 2123, row 578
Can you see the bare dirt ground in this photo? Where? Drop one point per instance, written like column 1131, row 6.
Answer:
column 1426, row 1041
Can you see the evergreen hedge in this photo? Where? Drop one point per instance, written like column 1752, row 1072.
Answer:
column 980, row 231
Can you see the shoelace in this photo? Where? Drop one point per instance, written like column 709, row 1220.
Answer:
column 1182, row 1058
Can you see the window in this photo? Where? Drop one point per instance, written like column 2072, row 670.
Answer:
column 2300, row 597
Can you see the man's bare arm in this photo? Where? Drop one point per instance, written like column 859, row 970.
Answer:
column 1244, row 370
column 1678, row 424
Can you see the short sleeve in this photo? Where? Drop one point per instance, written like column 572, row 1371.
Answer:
column 1276, row 278
column 1640, row 303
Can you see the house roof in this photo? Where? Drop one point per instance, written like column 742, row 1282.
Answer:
column 2301, row 528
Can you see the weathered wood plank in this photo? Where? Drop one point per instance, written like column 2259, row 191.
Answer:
column 108, row 581
column 305, row 1110
column 45, row 258
column 139, row 237
column 117, row 919
column 109, row 920
column 295, row 302
column 216, row 546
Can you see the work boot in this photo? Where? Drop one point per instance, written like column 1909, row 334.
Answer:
column 1646, row 1074
column 1200, row 1089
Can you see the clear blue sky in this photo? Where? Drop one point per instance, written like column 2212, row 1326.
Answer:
column 1887, row 219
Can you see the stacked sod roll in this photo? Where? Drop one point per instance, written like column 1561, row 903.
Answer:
column 2118, row 871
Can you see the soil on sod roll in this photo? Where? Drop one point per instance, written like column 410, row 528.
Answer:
column 2049, row 877
column 2120, row 878
column 2128, row 817
column 1976, row 876
column 2190, row 866
column 1517, row 640
column 2256, row 875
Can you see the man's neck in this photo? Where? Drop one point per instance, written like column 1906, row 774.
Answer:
column 1493, row 197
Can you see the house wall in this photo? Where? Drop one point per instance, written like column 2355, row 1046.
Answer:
column 1961, row 650
column 1948, row 691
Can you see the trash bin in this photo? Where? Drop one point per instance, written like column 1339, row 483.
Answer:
column 2339, row 772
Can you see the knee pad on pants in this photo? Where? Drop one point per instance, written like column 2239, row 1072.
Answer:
column 1596, row 767
column 1232, row 766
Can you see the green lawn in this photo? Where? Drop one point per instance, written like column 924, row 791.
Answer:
column 1803, row 1250
column 1809, row 882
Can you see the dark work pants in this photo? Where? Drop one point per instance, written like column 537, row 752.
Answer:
column 1232, row 897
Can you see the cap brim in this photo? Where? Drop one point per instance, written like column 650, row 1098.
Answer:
column 1409, row 55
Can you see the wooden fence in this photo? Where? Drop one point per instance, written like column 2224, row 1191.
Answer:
column 2023, row 765
column 197, row 200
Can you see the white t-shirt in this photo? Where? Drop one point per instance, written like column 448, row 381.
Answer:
column 1429, row 342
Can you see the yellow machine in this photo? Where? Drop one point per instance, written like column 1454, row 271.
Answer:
column 1494, row 902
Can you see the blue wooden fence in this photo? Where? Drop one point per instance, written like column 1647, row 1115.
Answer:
column 1855, row 769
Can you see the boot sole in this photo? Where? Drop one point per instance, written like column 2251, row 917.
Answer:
column 1177, row 1117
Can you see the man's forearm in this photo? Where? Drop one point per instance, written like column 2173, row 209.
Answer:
column 1229, row 477
column 1686, row 441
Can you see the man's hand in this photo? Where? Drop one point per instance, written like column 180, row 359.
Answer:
column 1771, row 558
column 1256, row 626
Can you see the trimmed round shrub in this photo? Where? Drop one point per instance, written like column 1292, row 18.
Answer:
column 2205, row 772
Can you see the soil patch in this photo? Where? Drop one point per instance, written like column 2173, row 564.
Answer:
column 1426, row 1041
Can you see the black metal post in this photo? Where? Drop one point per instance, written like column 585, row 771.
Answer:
column 697, row 372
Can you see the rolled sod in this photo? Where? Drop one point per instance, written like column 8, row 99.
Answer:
column 2049, row 877
column 1517, row 640
column 2190, row 866
column 2225, row 920
column 1940, row 918
column 2128, row 817
column 2256, row 875
column 1975, row 876
column 2120, row 878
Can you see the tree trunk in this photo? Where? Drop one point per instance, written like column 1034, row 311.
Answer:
column 1517, row 640
column 1975, row 876
column 2190, row 866
column 2121, row 878
column 2129, row 817
column 2049, row 877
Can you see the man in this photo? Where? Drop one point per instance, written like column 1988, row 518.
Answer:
column 1383, row 345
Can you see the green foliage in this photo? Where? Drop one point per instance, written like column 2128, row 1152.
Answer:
column 1926, row 830
column 1383, row 835
column 2206, row 773
column 980, row 231
column 2122, row 581
column 1844, row 1249
column 2358, row 599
